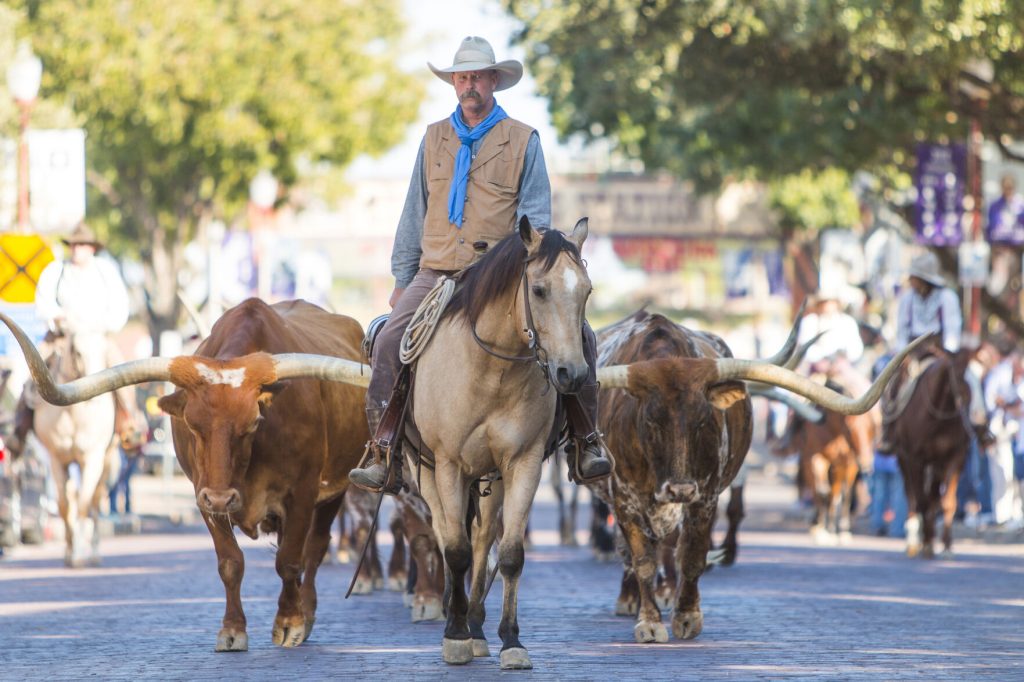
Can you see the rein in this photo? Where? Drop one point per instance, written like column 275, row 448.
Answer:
column 539, row 354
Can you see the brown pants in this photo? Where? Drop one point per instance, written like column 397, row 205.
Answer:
column 385, row 353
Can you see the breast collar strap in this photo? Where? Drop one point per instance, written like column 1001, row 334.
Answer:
column 539, row 355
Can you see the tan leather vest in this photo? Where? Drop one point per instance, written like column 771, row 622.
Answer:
column 492, row 193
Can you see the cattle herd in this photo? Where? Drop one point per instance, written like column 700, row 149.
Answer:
column 268, row 420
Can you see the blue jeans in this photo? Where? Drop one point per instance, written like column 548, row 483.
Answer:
column 128, row 465
column 887, row 493
column 975, row 480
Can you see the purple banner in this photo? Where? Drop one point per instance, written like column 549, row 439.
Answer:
column 941, row 182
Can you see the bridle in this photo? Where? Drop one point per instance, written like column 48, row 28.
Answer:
column 538, row 355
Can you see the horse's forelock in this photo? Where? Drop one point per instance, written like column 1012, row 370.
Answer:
column 501, row 268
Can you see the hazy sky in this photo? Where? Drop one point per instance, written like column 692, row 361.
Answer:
column 435, row 29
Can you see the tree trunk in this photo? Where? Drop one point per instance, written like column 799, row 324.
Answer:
column 161, row 269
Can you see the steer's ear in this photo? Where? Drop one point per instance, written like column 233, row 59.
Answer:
column 268, row 391
column 173, row 404
column 725, row 395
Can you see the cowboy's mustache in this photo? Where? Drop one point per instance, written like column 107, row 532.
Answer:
column 469, row 93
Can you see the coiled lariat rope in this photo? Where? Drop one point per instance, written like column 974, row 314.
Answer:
column 425, row 320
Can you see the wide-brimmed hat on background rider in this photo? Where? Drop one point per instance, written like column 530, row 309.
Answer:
column 82, row 234
column 476, row 54
column 925, row 267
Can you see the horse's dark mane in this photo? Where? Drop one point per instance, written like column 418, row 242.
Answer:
column 500, row 269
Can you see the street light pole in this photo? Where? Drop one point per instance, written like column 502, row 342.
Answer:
column 24, row 76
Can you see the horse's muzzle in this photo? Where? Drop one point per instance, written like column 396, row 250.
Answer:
column 219, row 501
column 569, row 378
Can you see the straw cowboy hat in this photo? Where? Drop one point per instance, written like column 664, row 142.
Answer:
column 82, row 234
column 475, row 54
column 925, row 266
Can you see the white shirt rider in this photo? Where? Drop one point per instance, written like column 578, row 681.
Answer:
column 84, row 294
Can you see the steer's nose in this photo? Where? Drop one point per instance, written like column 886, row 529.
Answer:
column 686, row 492
column 569, row 378
column 219, row 501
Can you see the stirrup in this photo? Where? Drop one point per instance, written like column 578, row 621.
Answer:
column 390, row 458
column 573, row 452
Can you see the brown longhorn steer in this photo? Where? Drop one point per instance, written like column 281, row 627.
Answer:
column 266, row 445
column 930, row 439
column 679, row 440
column 680, row 431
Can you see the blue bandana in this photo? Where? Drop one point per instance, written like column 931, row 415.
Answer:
column 463, row 160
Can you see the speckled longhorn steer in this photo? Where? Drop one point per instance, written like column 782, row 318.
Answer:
column 679, row 439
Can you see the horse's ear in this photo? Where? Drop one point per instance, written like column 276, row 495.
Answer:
column 530, row 236
column 580, row 232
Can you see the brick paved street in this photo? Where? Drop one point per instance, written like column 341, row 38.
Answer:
column 786, row 610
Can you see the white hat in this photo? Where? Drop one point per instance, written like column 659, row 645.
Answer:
column 475, row 54
column 925, row 266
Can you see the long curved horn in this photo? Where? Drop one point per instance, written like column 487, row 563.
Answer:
column 797, row 357
column 125, row 374
column 805, row 410
column 787, row 348
column 323, row 367
column 753, row 370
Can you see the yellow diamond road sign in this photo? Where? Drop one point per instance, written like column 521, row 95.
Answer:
column 22, row 259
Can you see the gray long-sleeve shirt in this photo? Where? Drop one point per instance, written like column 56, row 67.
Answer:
column 534, row 202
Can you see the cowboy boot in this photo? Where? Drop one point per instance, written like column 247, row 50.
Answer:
column 594, row 461
column 373, row 475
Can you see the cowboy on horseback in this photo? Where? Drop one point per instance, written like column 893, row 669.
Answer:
column 929, row 306
column 477, row 173
column 83, row 298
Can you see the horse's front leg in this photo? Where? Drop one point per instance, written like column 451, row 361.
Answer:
column 521, row 482
column 949, row 508
column 484, row 532
column 445, row 492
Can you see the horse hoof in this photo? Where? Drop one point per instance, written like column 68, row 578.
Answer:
column 927, row 553
column 913, row 550
column 515, row 659
column 407, row 599
column 378, row 583
column 289, row 631
column 229, row 639
column 363, row 587
column 397, row 583
column 688, row 624
column 845, row 538
column 822, row 537
column 646, row 632
column 428, row 608
column 627, row 607
column 480, row 649
column 457, row 651
column 947, row 554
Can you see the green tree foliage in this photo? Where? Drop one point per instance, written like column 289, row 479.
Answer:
column 712, row 88
column 184, row 103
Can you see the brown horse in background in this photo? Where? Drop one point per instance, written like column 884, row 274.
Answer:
column 930, row 437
